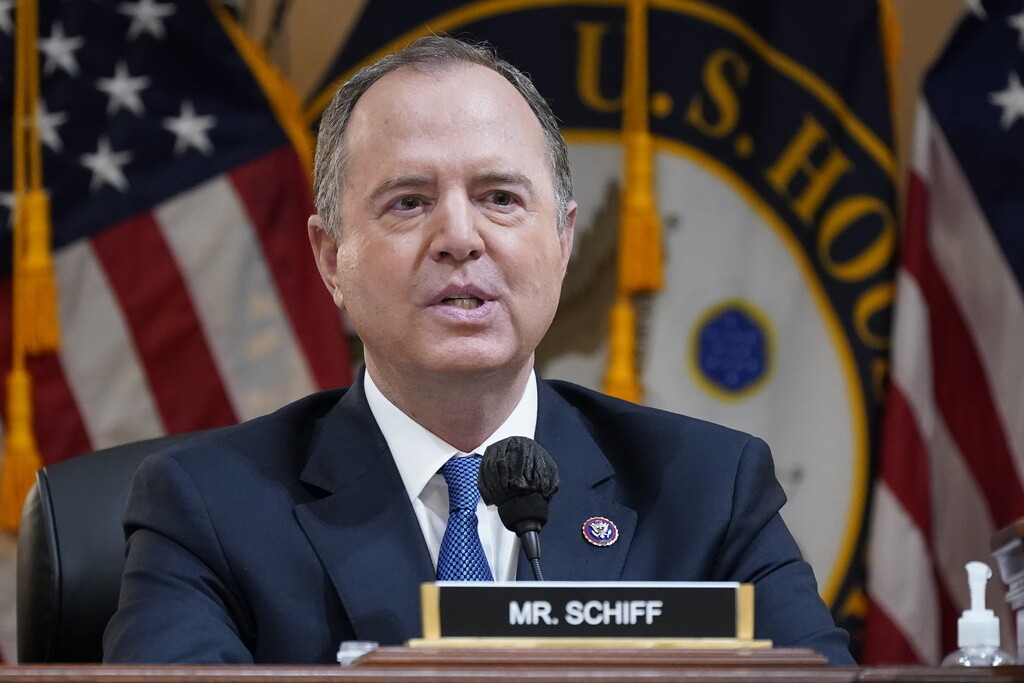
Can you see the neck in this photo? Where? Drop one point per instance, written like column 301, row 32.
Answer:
column 461, row 409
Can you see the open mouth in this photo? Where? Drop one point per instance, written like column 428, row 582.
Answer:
column 467, row 302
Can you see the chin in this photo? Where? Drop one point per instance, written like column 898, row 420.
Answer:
column 472, row 360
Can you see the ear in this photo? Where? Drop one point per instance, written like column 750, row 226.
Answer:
column 567, row 235
column 325, row 251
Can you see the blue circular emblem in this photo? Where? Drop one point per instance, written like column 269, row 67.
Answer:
column 600, row 531
column 732, row 349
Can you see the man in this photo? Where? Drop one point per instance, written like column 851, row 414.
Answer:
column 444, row 227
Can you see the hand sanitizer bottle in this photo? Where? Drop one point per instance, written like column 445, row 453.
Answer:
column 978, row 628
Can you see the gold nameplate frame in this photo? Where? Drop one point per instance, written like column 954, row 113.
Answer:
column 712, row 615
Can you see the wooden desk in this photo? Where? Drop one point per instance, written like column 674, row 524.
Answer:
column 533, row 666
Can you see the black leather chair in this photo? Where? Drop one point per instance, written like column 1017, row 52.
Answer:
column 71, row 552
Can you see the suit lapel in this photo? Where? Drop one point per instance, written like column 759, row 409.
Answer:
column 586, row 489
column 364, row 530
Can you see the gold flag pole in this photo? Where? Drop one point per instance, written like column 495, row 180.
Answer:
column 34, row 327
column 640, row 255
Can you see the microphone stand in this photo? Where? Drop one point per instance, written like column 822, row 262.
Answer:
column 530, row 538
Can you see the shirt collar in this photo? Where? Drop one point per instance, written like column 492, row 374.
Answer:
column 419, row 453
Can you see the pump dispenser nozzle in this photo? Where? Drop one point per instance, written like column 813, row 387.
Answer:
column 978, row 627
column 978, row 575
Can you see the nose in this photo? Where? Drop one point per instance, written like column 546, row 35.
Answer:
column 456, row 235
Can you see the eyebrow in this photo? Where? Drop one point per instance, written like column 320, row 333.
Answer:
column 415, row 181
column 508, row 178
column 399, row 182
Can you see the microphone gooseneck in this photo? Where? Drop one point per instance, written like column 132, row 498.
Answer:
column 520, row 477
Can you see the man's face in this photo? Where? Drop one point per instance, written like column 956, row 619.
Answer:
column 449, row 259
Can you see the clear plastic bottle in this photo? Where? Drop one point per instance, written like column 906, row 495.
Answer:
column 978, row 656
column 978, row 628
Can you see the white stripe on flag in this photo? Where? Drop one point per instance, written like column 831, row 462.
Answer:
column 983, row 285
column 98, row 354
column 961, row 525
column 901, row 575
column 920, row 148
column 255, row 348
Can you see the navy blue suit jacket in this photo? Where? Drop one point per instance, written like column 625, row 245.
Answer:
column 275, row 540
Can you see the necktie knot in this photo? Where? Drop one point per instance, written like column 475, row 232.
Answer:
column 460, row 473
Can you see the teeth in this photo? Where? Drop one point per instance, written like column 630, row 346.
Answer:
column 464, row 302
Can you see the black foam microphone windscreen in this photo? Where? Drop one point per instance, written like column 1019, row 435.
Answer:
column 518, row 476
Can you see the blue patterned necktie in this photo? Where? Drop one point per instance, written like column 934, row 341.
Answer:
column 461, row 557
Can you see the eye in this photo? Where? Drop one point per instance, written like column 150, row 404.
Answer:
column 408, row 203
column 502, row 198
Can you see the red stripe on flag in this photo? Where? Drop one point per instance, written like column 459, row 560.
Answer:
column 948, row 612
column 884, row 642
column 168, row 335
column 961, row 390
column 905, row 467
column 59, row 429
column 279, row 211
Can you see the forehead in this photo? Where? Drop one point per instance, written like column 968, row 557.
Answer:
column 459, row 107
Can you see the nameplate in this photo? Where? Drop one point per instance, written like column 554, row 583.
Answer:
column 564, row 609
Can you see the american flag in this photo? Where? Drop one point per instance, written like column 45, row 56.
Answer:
column 952, row 456
column 176, row 165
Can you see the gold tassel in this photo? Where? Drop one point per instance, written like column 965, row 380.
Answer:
column 620, row 379
column 640, row 252
column 640, row 268
column 34, row 326
column 640, row 260
column 37, row 283
column 21, row 457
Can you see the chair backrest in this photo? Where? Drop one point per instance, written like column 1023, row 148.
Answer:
column 71, row 552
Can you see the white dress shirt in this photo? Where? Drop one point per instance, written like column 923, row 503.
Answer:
column 419, row 454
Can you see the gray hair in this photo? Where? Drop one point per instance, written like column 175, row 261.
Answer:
column 430, row 53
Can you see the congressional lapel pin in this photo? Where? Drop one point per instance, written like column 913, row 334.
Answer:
column 600, row 531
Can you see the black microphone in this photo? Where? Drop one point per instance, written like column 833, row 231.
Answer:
column 519, row 476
